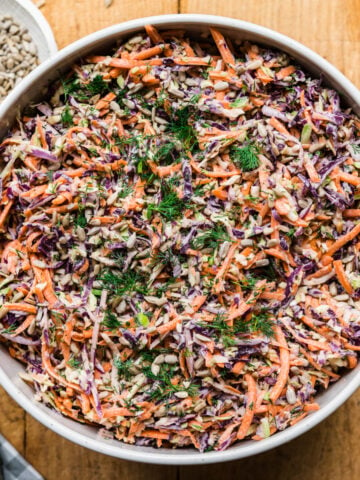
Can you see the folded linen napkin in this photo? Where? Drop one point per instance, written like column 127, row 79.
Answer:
column 13, row 466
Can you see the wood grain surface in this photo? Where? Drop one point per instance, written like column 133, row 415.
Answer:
column 331, row 450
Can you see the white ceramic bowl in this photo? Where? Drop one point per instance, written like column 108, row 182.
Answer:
column 31, row 89
column 27, row 14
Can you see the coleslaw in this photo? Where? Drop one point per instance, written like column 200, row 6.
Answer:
column 180, row 241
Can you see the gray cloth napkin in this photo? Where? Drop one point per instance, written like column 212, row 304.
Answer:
column 13, row 466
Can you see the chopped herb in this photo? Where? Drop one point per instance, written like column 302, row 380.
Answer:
column 167, row 257
column 74, row 363
column 170, row 206
column 250, row 198
column 188, row 353
column 10, row 329
column 180, row 126
column 80, row 220
column 121, row 95
column 166, row 154
column 119, row 257
column 162, row 386
column 262, row 322
column 268, row 272
column 291, row 232
column 71, row 87
column 210, row 448
column 245, row 157
column 125, row 190
column 211, row 238
column 123, row 367
column 125, row 282
column 199, row 191
column 111, row 321
column 195, row 98
column 83, row 91
column 161, row 289
column 259, row 322
column 93, row 151
column 160, row 100
column 66, row 117
column 97, row 86
column 150, row 355
column 228, row 341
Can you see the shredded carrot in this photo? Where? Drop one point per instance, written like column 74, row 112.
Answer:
column 250, row 407
column 340, row 273
column 340, row 242
column 284, row 365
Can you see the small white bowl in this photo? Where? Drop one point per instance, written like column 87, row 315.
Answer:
column 28, row 15
column 32, row 89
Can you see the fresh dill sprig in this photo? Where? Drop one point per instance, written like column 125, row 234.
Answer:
column 83, row 91
column 262, row 322
column 170, row 259
column 259, row 322
column 136, row 147
column 211, row 238
column 200, row 190
column 167, row 257
column 72, row 87
column 159, row 290
column 166, row 154
column 219, row 323
column 119, row 257
column 124, row 282
column 150, row 355
column 97, row 86
column 163, row 387
column 170, row 205
column 180, row 126
column 174, row 181
column 245, row 157
column 111, row 321
column 248, row 283
column 66, row 117
column 121, row 95
column 125, row 190
column 124, row 367
column 80, row 220
column 251, row 198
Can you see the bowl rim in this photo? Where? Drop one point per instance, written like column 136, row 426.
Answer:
column 42, row 23
column 182, row 457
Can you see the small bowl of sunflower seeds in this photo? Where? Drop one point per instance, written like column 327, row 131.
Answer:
column 26, row 40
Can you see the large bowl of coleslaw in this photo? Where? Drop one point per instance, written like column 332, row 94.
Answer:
column 35, row 87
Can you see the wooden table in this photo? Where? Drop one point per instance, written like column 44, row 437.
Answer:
column 331, row 450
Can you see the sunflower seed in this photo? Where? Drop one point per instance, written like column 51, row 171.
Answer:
column 18, row 54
